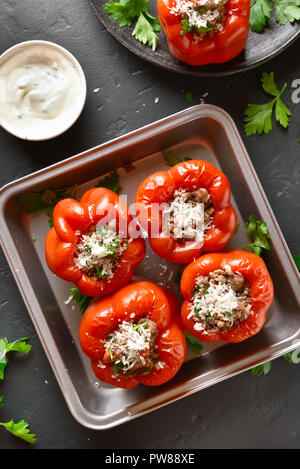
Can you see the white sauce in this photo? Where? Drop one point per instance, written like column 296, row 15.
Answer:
column 41, row 92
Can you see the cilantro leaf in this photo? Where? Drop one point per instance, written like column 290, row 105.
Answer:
column 144, row 32
column 287, row 10
column 111, row 181
column 258, row 233
column 81, row 299
column 262, row 369
column 20, row 430
column 258, row 117
column 260, row 14
column 172, row 158
column 19, row 345
column 193, row 343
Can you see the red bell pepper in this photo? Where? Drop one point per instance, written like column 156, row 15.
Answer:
column 221, row 47
column 72, row 219
column 253, row 268
column 140, row 299
column 191, row 175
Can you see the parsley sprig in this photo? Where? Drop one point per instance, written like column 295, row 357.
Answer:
column 285, row 10
column 258, row 117
column 19, row 429
column 81, row 299
column 111, row 181
column 129, row 12
column 172, row 158
column 45, row 200
column 262, row 369
column 258, row 233
column 193, row 343
column 19, row 345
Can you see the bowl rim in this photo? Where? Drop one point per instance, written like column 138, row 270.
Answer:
column 21, row 45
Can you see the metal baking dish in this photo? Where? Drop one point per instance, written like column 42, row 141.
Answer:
column 204, row 132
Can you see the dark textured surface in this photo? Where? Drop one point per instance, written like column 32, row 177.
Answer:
column 244, row 412
column 259, row 48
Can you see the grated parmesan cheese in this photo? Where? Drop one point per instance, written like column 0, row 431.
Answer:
column 130, row 344
column 185, row 217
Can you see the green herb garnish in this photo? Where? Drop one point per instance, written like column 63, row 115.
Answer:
column 258, row 233
column 135, row 12
column 19, row 430
column 187, row 27
column 19, row 345
column 99, row 273
column 111, row 181
column 208, row 318
column 172, row 158
column 296, row 258
column 285, row 10
column 258, row 117
column 46, row 200
column 193, row 343
column 189, row 97
column 146, row 372
column 177, row 277
column 262, row 369
column 118, row 366
column 111, row 355
column 81, row 299
column 137, row 327
column 293, row 357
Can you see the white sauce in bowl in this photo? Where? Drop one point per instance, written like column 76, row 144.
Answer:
column 42, row 90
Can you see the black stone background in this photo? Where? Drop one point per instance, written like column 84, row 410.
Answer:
column 243, row 412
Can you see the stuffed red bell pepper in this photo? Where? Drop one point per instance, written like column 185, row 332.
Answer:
column 94, row 243
column 134, row 336
column 226, row 296
column 186, row 210
column 200, row 32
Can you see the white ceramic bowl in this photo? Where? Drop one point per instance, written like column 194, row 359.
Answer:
column 48, row 130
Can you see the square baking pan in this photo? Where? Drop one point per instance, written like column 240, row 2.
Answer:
column 203, row 132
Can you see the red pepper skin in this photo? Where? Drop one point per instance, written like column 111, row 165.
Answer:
column 253, row 268
column 191, row 175
column 222, row 47
column 70, row 216
column 144, row 299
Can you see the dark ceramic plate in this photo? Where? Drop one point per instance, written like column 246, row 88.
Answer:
column 260, row 47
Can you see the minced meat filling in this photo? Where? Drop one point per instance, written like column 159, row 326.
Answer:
column 98, row 251
column 131, row 348
column 189, row 214
column 221, row 300
column 201, row 17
